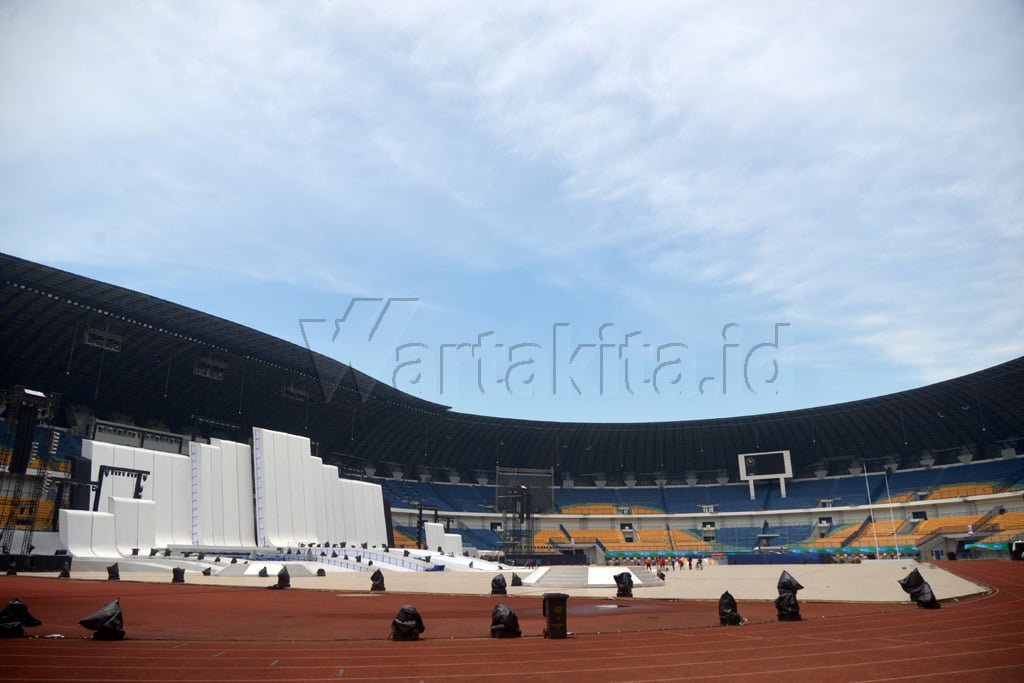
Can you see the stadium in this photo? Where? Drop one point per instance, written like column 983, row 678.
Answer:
column 145, row 436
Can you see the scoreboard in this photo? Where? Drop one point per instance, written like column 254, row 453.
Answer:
column 768, row 465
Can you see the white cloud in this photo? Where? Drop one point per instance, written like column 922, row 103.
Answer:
column 856, row 167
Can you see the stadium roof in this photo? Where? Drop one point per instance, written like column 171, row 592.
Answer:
column 129, row 356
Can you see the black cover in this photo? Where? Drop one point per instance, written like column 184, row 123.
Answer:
column 919, row 590
column 284, row 580
column 624, row 581
column 499, row 585
column 17, row 612
column 728, row 614
column 504, row 622
column 516, row 581
column 113, row 573
column 377, row 581
column 407, row 624
column 107, row 622
column 786, row 605
column 178, row 575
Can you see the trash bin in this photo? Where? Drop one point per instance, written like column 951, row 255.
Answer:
column 555, row 608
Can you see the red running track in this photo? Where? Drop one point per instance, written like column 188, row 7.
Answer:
column 202, row 633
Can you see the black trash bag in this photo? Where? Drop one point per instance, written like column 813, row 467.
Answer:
column 498, row 585
column 728, row 613
column 624, row 581
column 405, row 553
column 334, row 553
column 208, row 572
column 504, row 622
column 234, row 560
column 263, row 573
column 284, row 580
column 661, row 575
column 919, row 590
column 786, row 605
column 65, row 570
column 178, row 575
column 321, row 572
column 516, row 581
column 377, row 581
column 113, row 573
column 17, row 612
column 107, row 622
column 407, row 624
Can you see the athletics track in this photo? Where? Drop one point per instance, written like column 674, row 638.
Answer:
column 205, row 633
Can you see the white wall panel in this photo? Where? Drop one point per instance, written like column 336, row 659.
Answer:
column 434, row 536
column 244, row 495
column 163, row 496
column 263, row 505
column 75, row 531
column 362, row 510
column 380, row 529
column 302, row 488
column 288, row 519
column 316, row 486
column 348, row 501
column 133, row 524
column 216, row 496
column 144, row 461
column 181, row 502
column 104, row 543
column 229, row 490
column 328, row 476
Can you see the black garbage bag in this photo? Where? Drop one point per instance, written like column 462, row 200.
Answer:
column 407, row 624
column 284, row 580
column 113, row 573
column 263, row 573
column 661, row 575
column 14, row 618
column 321, row 572
column 624, row 581
column 65, row 570
column 919, row 590
column 377, row 581
column 504, row 622
column 234, row 560
column 107, row 622
column 516, row 581
column 499, row 585
column 208, row 572
column 177, row 575
column 728, row 613
column 786, row 605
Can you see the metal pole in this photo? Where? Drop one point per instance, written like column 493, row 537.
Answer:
column 871, row 510
column 885, row 474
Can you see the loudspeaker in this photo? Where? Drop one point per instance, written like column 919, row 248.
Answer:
column 23, row 434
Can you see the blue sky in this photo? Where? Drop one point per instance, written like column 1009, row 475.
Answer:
column 552, row 177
